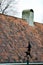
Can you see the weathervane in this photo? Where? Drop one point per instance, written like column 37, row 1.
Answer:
column 28, row 53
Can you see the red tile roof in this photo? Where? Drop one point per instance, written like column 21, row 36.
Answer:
column 15, row 35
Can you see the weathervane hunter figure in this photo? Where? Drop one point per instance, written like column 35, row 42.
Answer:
column 28, row 53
